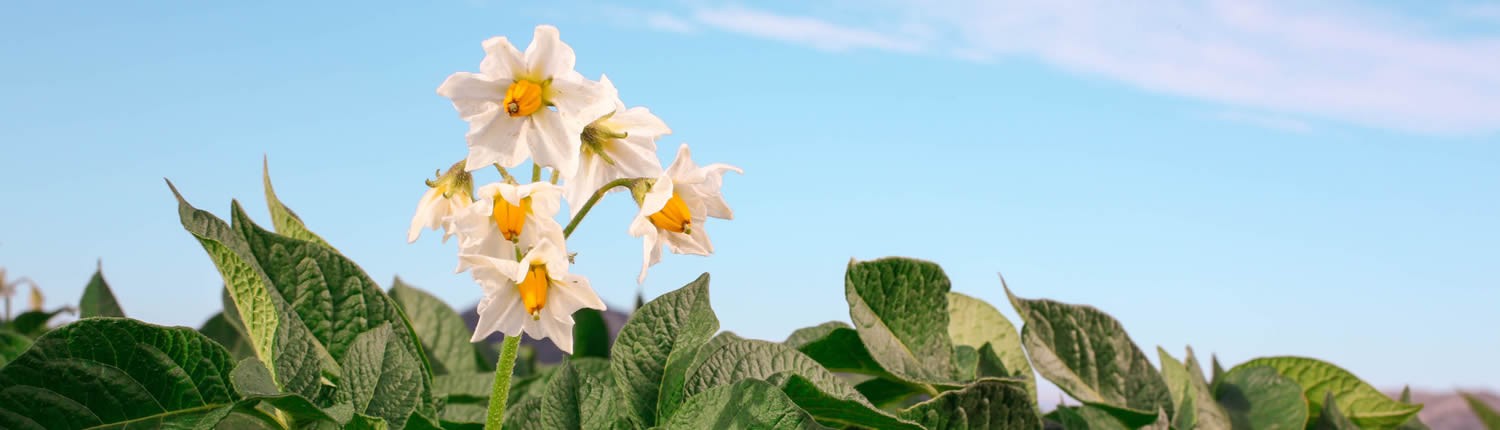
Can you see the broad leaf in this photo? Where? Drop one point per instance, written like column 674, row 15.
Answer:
column 1088, row 354
column 253, row 381
column 885, row 393
column 382, row 377
column 1330, row 418
column 836, row 346
column 34, row 323
column 297, row 362
column 1259, row 398
column 590, row 334
column 899, row 307
column 1487, row 415
column 12, row 344
column 442, row 331
column 977, row 324
column 748, row 404
column 1191, row 397
column 286, row 222
column 111, row 372
column 653, row 348
column 578, row 399
column 1086, row 418
column 98, row 300
column 985, row 404
column 1363, row 404
column 729, row 359
column 221, row 331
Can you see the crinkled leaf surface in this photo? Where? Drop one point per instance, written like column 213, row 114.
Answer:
column 382, row 377
column 1260, row 398
column 1360, row 402
column 899, row 307
column 286, row 222
column 747, row 404
column 252, row 381
column 117, row 373
column 985, row 404
column 442, row 331
column 578, row 398
column 1088, row 354
column 653, row 348
column 1086, row 418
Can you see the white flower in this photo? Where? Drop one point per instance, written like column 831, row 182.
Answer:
column 521, row 106
column 437, row 204
column 535, row 295
column 676, row 206
column 505, row 217
column 619, row 144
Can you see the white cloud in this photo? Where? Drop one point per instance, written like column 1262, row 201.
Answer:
column 1276, row 122
column 809, row 31
column 668, row 22
column 1340, row 61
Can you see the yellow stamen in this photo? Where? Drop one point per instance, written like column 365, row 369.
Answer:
column 534, row 289
column 674, row 217
column 523, row 98
column 510, row 218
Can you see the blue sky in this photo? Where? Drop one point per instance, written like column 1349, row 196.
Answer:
column 1251, row 180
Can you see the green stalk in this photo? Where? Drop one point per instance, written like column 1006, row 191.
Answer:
column 573, row 223
column 536, row 172
column 505, row 174
column 495, row 419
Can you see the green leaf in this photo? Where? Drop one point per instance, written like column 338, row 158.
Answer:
column 1362, row 403
column 98, row 300
column 1486, row 414
column 297, row 362
column 33, row 323
column 286, row 222
column 112, row 372
column 12, row 344
column 1260, row 398
column 885, row 393
column 653, row 348
column 1330, row 418
column 590, row 334
column 900, row 310
column 747, row 404
column 836, row 346
column 1191, row 397
column 1415, row 422
column 442, row 331
column 977, row 324
column 988, row 403
column 366, row 422
column 526, row 414
column 578, row 399
column 253, row 381
column 729, row 359
column 221, row 331
column 1088, row 354
column 382, row 377
column 1087, row 418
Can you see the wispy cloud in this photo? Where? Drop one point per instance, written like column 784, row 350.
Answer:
column 804, row 30
column 1346, row 62
column 1271, row 121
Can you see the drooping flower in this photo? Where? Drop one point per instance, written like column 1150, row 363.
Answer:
column 621, row 143
column 523, row 105
column 535, row 295
column 675, row 207
column 505, row 217
column 447, row 195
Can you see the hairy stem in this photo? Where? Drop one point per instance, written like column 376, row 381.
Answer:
column 495, row 419
column 573, row 223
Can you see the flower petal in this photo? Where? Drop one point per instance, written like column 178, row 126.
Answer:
column 502, row 61
column 548, row 56
column 472, row 93
column 496, row 139
column 554, row 143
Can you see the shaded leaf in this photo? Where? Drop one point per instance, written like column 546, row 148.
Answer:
column 1087, row 418
column 253, row 381
column 652, row 349
column 590, row 334
column 34, row 323
column 899, row 307
column 1260, row 398
column 221, row 331
column 748, row 404
column 836, row 346
column 1088, row 354
column 442, row 331
column 1330, row 418
column 1362, row 403
column 98, row 300
column 12, row 344
column 1191, row 392
column 985, row 404
column 112, row 372
column 977, row 324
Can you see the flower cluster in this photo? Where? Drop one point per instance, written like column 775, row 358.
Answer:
column 534, row 106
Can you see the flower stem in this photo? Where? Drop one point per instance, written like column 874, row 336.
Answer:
column 554, row 176
column 573, row 223
column 505, row 174
column 495, row 419
column 536, row 172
